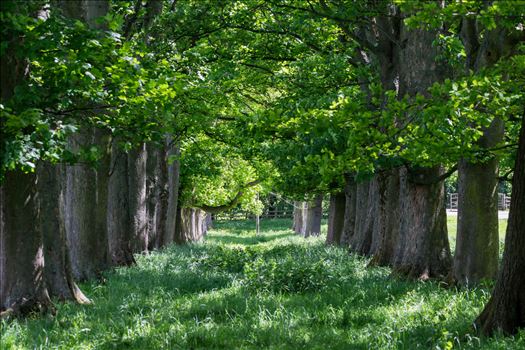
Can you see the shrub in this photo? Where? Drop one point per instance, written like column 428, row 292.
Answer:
column 226, row 259
column 290, row 273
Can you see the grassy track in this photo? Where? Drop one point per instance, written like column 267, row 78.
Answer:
column 274, row 291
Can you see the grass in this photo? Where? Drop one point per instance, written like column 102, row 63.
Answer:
column 273, row 291
column 452, row 221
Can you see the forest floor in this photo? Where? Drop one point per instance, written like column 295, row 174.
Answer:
column 275, row 290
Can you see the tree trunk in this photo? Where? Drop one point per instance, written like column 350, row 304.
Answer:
column 3, row 251
column 422, row 251
column 350, row 211
column 87, row 245
column 138, row 215
column 373, row 216
column 191, row 226
column 23, row 289
column 388, row 216
column 119, row 223
column 156, row 183
column 361, row 240
column 299, row 216
column 314, row 215
column 86, row 187
column 505, row 310
column 57, row 270
column 336, row 218
column 101, row 258
column 163, row 195
column 209, row 221
column 477, row 241
column 173, row 190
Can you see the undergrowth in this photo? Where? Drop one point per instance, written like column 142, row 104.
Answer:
column 276, row 291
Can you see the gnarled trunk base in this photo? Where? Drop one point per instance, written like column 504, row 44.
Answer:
column 422, row 251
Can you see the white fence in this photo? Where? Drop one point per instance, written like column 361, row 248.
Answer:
column 503, row 201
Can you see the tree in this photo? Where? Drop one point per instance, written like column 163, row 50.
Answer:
column 477, row 247
column 23, row 286
column 505, row 310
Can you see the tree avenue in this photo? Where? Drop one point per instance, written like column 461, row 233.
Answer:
column 125, row 125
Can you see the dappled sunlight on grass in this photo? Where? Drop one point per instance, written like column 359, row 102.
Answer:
column 237, row 290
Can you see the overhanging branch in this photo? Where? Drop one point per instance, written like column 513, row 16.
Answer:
column 220, row 208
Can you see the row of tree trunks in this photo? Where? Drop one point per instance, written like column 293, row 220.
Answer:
column 476, row 256
column 66, row 223
column 192, row 225
column 398, row 217
column 308, row 217
column 45, row 216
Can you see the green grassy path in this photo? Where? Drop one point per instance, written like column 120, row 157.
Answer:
column 276, row 291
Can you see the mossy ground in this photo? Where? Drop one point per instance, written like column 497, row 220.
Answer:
column 275, row 291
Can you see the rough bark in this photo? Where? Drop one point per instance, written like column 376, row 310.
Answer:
column 23, row 289
column 192, row 225
column 209, row 221
column 505, row 310
column 377, row 219
column 162, row 194
column 86, row 187
column 3, row 251
column 103, row 140
column 172, row 195
column 137, row 204
column 298, row 217
column 374, row 220
column 388, row 217
column 314, row 215
column 350, row 211
column 422, row 250
column 477, row 241
column 87, row 248
column 154, row 188
column 57, row 270
column 336, row 218
column 119, row 223
column 22, row 284
column 361, row 240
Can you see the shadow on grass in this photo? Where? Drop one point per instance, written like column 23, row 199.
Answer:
column 169, row 302
column 244, row 239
